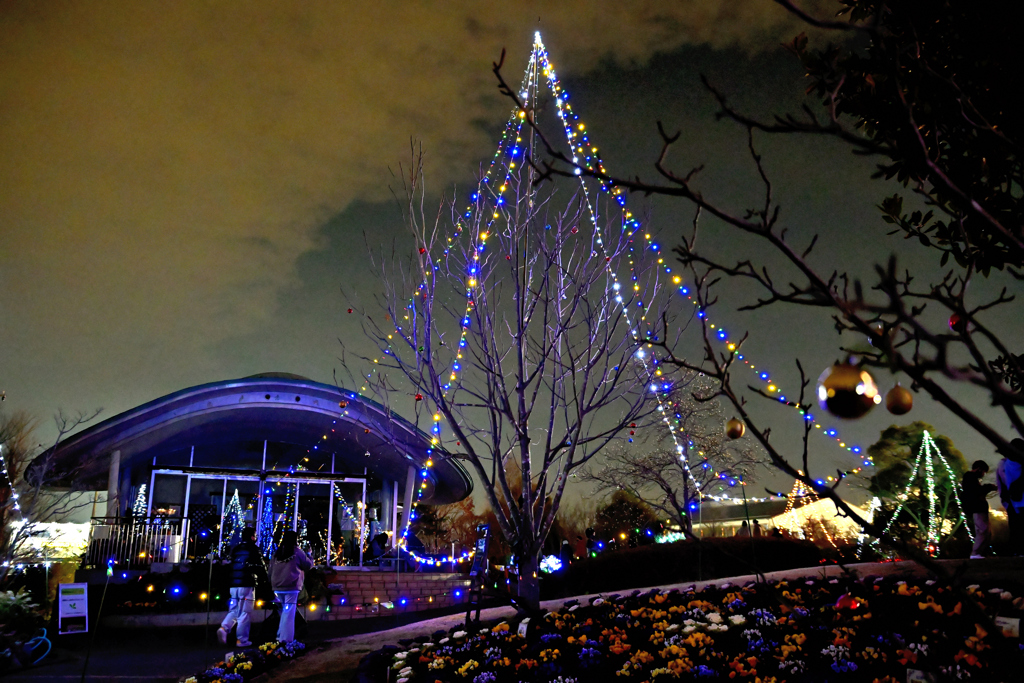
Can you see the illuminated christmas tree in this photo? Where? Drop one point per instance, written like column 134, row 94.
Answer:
column 234, row 523
column 932, row 481
column 141, row 503
column 265, row 533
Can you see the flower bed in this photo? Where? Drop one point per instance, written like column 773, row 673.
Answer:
column 246, row 665
column 870, row 629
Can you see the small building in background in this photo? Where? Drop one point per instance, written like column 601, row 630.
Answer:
column 182, row 475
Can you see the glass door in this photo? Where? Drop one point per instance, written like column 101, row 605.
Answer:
column 313, row 523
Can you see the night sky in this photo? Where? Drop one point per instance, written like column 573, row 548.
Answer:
column 185, row 187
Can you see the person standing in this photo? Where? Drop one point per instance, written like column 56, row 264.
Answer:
column 976, row 507
column 1010, row 484
column 757, row 529
column 246, row 569
column 286, row 576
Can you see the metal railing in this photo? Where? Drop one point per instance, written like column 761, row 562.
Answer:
column 136, row 542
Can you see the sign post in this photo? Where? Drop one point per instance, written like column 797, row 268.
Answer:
column 73, row 608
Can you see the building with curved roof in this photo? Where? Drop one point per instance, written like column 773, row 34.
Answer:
column 276, row 451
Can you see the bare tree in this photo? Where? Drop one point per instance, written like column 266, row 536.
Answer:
column 33, row 489
column 919, row 89
column 653, row 470
column 515, row 342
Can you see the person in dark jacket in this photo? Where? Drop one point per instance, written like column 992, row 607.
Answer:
column 976, row 506
column 243, row 576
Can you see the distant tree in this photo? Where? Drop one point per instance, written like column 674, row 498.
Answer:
column 626, row 521
column 34, row 489
column 460, row 521
column 898, row 486
column 654, row 470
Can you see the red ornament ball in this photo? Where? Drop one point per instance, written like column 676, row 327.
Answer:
column 847, row 391
column 899, row 400
column 422, row 250
column 956, row 323
column 847, row 602
column 418, row 397
column 735, row 428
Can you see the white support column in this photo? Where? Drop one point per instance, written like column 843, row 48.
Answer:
column 410, row 484
column 113, row 475
column 394, row 511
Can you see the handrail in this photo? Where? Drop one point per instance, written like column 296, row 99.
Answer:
column 139, row 542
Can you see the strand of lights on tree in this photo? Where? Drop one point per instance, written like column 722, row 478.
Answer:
column 720, row 333
column 581, row 146
column 592, row 161
column 927, row 453
column 472, row 283
column 141, row 503
column 10, row 482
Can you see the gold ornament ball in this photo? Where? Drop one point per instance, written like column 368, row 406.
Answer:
column 847, row 391
column 899, row 400
column 735, row 428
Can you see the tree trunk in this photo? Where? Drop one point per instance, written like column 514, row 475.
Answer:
column 529, row 581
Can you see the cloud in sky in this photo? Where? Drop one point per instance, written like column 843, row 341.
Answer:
column 163, row 166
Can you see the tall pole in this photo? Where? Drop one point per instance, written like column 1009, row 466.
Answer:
column 750, row 529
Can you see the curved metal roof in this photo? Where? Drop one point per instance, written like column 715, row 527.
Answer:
column 276, row 407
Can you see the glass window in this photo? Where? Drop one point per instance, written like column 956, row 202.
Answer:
column 311, row 524
column 169, row 495
column 241, row 509
column 347, row 531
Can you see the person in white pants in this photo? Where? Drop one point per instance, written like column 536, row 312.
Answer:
column 246, row 568
column 286, row 576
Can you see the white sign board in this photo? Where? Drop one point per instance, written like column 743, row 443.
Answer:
column 73, row 608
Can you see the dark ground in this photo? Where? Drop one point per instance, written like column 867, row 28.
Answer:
column 171, row 654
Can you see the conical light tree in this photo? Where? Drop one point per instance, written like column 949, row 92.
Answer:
column 516, row 332
column 265, row 533
column 234, row 523
column 918, row 485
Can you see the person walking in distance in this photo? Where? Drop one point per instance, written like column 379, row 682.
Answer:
column 286, row 576
column 976, row 507
column 246, row 569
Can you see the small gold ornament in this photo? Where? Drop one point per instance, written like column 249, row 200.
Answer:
column 899, row 400
column 735, row 428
